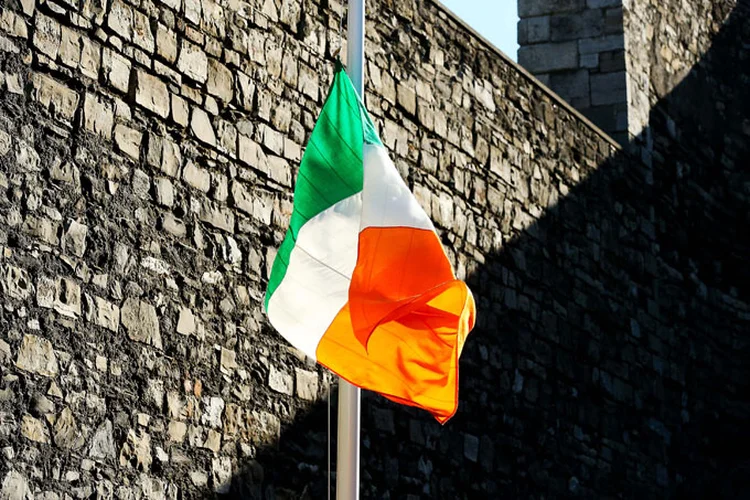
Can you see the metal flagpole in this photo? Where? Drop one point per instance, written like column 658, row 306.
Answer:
column 347, row 457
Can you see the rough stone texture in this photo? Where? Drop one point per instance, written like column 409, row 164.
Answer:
column 152, row 94
column 137, row 233
column 660, row 56
column 141, row 322
column 36, row 355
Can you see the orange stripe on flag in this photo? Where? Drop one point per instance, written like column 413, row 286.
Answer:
column 403, row 330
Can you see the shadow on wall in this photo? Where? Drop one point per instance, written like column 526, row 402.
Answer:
column 610, row 358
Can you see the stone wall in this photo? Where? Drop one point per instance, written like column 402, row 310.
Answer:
column 664, row 40
column 148, row 151
column 576, row 47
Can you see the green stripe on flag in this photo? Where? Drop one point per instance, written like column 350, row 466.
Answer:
column 331, row 168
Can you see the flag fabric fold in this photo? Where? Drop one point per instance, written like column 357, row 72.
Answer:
column 361, row 282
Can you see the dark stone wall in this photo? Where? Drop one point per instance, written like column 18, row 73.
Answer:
column 147, row 157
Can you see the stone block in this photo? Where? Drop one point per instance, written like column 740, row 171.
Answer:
column 406, row 98
column 272, row 140
column 141, row 322
column 151, row 93
column 180, row 110
column 107, row 314
column 120, row 19
column 7, row 45
column 608, row 88
column 142, row 34
column 16, row 283
column 5, row 143
column 603, row 116
column 102, row 445
column 67, row 433
column 186, row 323
column 166, row 43
column 220, row 81
column 603, row 4
column 214, row 19
column 289, row 15
column 42, row 228
column 471, row 447
column 173, row 4
column 199, row 478
column 589, row 61
column 586, row 24
column 613, row 21
column 196, row 177
column 546, row 57
column 13, row 24
column 529, row 8
column 610, row 62
column 200, row 125
column 54, row 95
column 292, row 151
column 570, row 85
column 213, row 409
column 227, row 135
column 47, row 36
column 34, row 430
column 36, row 355
column 136, row 451
column 306, row 384
column 116, row 69
column 280, row 381
column 483, row 94
column 193, row 62
column 221, row 474
column 279, row 170
column 308, row 82
column 156, row 265
column 250, row 153
column 171, row 158
column 227, row 361
column 90, row 58
column 218, row 216
column 128, row 140
column 193, row 11
column 384, row 420
column 290, row 71
column 264, row 428
column 601, row 44
column 533, row 30
column 164, row 191
column 93, row 11
column 26, row 156
column 141, row 182
column 64, row 172
column 70, row 47
column 241, row 197
column 74, row 238
column 176, row 431
column 67, row 297
column 173, row 226
column 16, row 487
column 442, row 209
column 98, row 116
column 45, row 292
column 245, row 91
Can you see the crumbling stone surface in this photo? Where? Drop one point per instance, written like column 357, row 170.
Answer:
column 148, row 153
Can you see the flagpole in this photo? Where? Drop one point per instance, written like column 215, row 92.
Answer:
column 347, row 458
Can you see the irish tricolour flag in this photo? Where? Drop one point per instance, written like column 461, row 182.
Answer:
column 361, row 282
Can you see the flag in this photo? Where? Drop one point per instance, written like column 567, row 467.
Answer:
column 361, row 282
